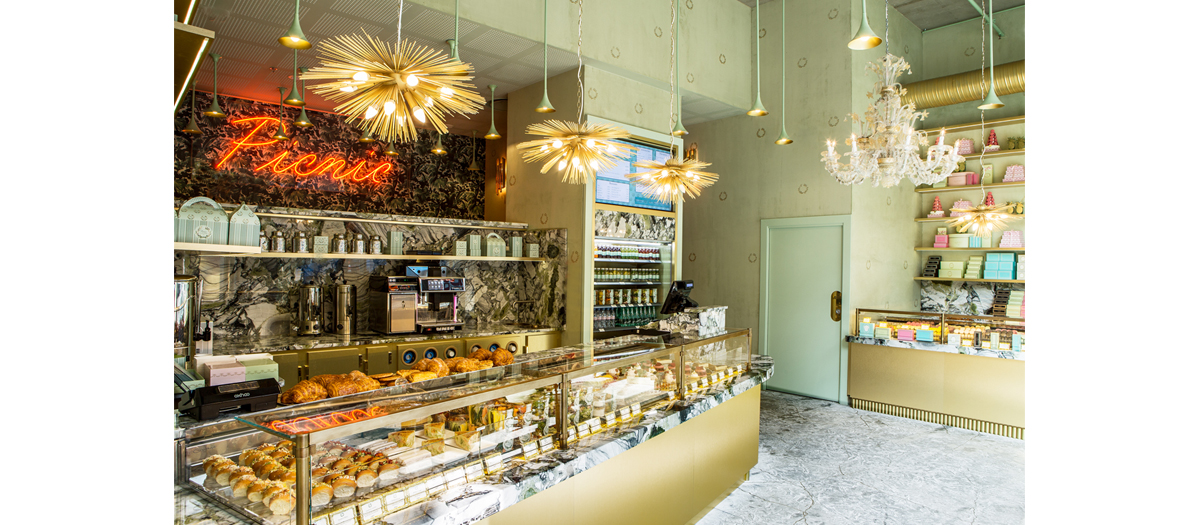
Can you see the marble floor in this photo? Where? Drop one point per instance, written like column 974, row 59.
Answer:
column 824, row 463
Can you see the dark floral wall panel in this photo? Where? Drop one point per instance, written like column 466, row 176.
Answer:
column 322, row 167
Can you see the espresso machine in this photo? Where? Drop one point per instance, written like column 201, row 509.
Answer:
column 438, row 304
column 392, row 302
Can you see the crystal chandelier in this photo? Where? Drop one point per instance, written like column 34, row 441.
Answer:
column 886, row 149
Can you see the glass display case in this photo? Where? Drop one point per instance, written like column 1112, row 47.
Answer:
column 358, row 458
column 977, row 331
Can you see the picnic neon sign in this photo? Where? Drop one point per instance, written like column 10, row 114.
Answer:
column 306, row 165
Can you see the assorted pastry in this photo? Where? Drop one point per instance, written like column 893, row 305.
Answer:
column 328, row 385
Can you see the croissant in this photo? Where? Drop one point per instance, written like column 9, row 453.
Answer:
column 502, row 357
column 324, row 379
column 481, row 355
column 422, row 376
column 303, row 392
column 342, row 387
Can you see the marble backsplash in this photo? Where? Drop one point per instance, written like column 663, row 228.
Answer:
column 634, row 226
column 249, row 296
column 964, row 298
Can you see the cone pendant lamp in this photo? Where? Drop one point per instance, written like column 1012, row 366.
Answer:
column 474, row 166
column 390, row 151
column 294, row 38
column 865, row 38
column 758, row 110
column 545, row 106
column 678, row 130
column 192, row 128
column 303, row 121
column 294, row 99
column 281, row 133
column 214, row 110
column 492, row 134
column 366, row 138
column 991, row 101
column 438, row 148
column 783, row 139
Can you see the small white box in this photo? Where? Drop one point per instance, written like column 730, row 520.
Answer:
column 460, row 249
column 534, row 250
column 395, row 243
column 474, row 246
column 518, row 246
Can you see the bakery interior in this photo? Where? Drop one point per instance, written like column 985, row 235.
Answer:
column 539, row 261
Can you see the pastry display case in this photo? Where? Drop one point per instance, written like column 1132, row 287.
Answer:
column 987, row 332
column 976, row 331
column 903, row 326
column 361, row 457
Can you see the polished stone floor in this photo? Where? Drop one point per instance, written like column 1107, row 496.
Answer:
column 824, row 463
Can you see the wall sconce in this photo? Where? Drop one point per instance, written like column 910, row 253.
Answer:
column 500, row 172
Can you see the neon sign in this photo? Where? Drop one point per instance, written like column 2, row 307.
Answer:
column 306, row 165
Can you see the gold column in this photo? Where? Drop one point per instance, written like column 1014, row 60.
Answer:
column 964, row 87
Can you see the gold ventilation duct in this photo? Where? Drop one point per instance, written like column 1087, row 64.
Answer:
column 964, row 87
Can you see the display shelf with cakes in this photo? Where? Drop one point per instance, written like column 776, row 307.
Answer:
column 346, row 440
column 999, row 335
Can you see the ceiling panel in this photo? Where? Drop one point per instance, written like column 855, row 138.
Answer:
column 501, row 44
column 277, row 12
column 560, row 60
column 380, row 12
column 331, row 25
column 436, row 26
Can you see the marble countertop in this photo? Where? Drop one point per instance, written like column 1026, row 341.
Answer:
column 256, row 344
column 472, row 502
column 937, row 347
column 337, row 214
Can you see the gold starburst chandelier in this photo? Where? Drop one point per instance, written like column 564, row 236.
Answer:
column 579, row 149
column 983, row 220
column 671, row 180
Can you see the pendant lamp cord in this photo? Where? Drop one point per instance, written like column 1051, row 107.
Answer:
column 400, row 8
column 886, row 27
column 581, row 88
column 982, row 96
column 672, row 79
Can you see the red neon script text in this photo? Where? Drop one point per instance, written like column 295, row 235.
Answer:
column 305, row 165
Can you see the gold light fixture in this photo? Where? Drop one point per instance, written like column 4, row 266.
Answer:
column 545, row 106
column 473, row 166
column 983, row 220
column 758, row 110
column 492, row 134
column 281, row 133
column 578, row 148
column 294, row 38
column 390, row 150
column 783, row 139
column 438, row 148
column 294, row 99
column 865, row 38
column 192, row 128
column 303, row 121
column 673, row 179
column 214, row 110
column 388, row 85
column 991, row 101
column 366, row 138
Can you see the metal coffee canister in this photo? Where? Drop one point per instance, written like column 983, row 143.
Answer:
column 301, row 243
column 358, row 244
column 375, row 245
column 263, row 242
column 339, row 243
column 277, row 242
column 186, row 307
column 342, row 315
column 310, row 317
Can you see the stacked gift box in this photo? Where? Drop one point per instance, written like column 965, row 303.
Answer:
column 940, row 241
column 974, row 267
column 1012, row 239
column 961, row 204
column 932, row 263
column 882, row 332
column 952, row 269
column 866, row 329
column 1000, row 266
column 999, row 303
column 960, row 240
column 1014, row 173
column 1015, row 305
column 1020, row 267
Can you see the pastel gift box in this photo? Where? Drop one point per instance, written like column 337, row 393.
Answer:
column 203, row 221
column 474, row 246
column 957, row 265
column 991, row 274
column 1014, row 173
column 243, row 227
column 925, row 335
column 953, row 339
column 534, row 250
column 1017, row 342
column 257, row 368
column 882, row 332
column 225, row 373
column 496, row 247
column 972, row 177
column 1007, row 257
column 961, row 204
column 396, row 242
column 991, row 265
column 956, row 179
column 202, row 361
column 974, row 242
column 460, row 249
column 960, row 240
column 966, row 146
column 866, row 329
column 905, row 335
column 319, row 244
column 941, row 239
column 517, row 246
column 995, row 340
column 939, row 184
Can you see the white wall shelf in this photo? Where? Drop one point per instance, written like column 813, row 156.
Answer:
column 219, row 249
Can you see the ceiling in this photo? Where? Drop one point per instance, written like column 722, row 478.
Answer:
column 247, row 34
column 929, row 14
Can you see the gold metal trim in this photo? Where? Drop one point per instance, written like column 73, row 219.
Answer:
column 963, row 87
column 967, row 423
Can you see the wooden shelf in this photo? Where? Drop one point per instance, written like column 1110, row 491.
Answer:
column 969, row 126
column 596, row 261
column 945, row 219
column 272, row 255
column 621, row 283
column 968, row 280
column 994, row 185
column 995, row 154
column 215, row 248
column 981, row 250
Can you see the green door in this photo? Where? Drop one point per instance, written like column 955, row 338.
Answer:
column 802, row 265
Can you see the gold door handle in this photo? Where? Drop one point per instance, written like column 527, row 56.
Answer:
column 835, row 310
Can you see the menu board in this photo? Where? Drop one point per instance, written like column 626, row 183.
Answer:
column 613, row 187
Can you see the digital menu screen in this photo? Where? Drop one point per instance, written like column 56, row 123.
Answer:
column 613, row 187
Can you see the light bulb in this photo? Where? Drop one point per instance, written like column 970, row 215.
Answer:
column 561, row 165
column 348, row 89
column 412, row 80
column 610, row 148
column 371, row 112
column 590, row 143
column 390, row 106
column 556, row 144
column 446, row 92
column 646, row 176
column 663, row 173
column 361, row 76
column 420, row 114
column 429, row 102
column 594, row 165
column 577, row 162
column 544, row 148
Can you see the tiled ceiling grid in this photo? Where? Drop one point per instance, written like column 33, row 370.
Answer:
column 247, row 38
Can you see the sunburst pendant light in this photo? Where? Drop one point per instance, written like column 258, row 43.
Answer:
column 783, row 139
column 865, row 38
column 294, row 38
column 578, row 149
column 303, row 121
column 294, row 99
column 545, row 106
column 438, row 148
column 281, row 133
column 678, row 130
column 991, row 101
column 387, row 85
column 192, row 128
column 492, row 134
column 473, row 166
column 214, row 110
column 758, row 110
column 983, row 220
column 675, row 178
